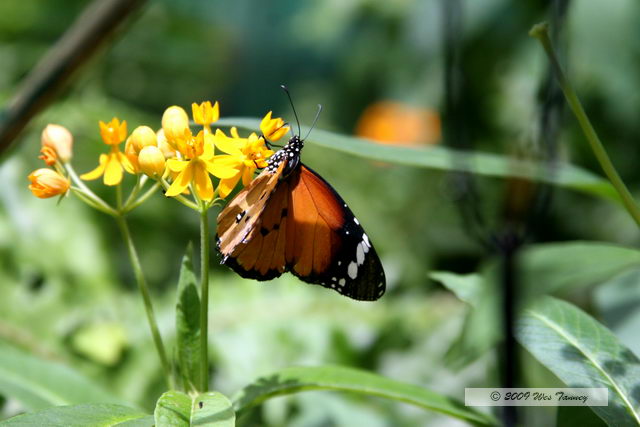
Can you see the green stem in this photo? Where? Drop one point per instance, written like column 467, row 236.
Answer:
column 541, row 32
column 179, row 197
column 128, row 207
column 140, row 182
column 146, row 298
column 204, row 298
column 104, row 206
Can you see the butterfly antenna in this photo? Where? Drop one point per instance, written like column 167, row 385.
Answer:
column 292, row 107
column 314, row 121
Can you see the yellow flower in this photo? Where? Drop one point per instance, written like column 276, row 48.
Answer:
column 273, row 129
column 198, row 164
column 204, row 114
column 151, row 161
column 59, row 139
column 48, row 155
column 244, row 154
column 47, row 183
column 141, row 137
column 174, row 123
column 167, row 151
column 111, row 164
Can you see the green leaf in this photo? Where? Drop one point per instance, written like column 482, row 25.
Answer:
column 578, row 416
column 177, row 409
column 447, row 159
column 544, row 268
column 466, row 287
column 296, row 379
column 173, row 409
column 39, row 384
column 213, row 409
column 188, row 325
column 583, row 353
column 95, row 415
column 618, row 302
column 559, row 266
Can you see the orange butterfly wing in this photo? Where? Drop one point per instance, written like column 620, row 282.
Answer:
column 299, row 224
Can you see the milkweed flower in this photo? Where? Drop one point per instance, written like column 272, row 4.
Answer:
column 244, row 154
column 45, row 183
column 48, row 155
column 204, row 114
column 174, row 123
column 115, row 162
column 142, row 136
column 196, row 166
column 273, row 129
column 167, row 150
column 151, row 161
column 59, row 139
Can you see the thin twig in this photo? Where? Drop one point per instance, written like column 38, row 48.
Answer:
column 77, row 45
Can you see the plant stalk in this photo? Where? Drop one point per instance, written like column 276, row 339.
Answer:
column 541, row 32
column 146, row 298
column 204, row 297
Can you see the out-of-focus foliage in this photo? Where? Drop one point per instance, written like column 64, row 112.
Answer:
column 65, row 284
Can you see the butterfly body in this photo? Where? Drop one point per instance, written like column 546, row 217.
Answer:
column 290, row 219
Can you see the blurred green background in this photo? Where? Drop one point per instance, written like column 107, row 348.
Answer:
column 66, row 289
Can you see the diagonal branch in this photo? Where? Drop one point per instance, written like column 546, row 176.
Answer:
column 94, row 26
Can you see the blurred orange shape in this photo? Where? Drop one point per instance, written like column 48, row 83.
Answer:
column 390, row 122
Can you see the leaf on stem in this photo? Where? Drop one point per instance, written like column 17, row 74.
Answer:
column 177, row 409
column 296, row 379
column 583, row 353
column 188, row 325
column 81, row 416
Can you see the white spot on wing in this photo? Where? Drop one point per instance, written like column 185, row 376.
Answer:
column 365, row 239
column 352, row 270
column 360, row 253
column 356, row 220
column 342, row 282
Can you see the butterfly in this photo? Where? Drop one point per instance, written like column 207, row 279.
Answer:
column 290, row 219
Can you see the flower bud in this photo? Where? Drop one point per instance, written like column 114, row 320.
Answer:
column 174, row 122
column 167, row 151
column 141, row 137
column 132, row 155
column 151, row 161
column 48, row 155
column 59, row 139
column 47, row 183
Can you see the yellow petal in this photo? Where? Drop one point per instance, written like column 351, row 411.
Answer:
column 176, row 165
column 113, row 170
column 97, row 172
column 126, row 163
column 226, row 186
column 208, row 146
column 226, row 144
column 181, row 182
column 202, row 181
column 247, row 176
column 219, row 170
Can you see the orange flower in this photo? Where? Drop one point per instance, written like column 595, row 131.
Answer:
column 47, row 183
column 59, row 139
column 48, row 156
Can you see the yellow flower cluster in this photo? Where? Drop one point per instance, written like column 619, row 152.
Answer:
column 181, row 160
